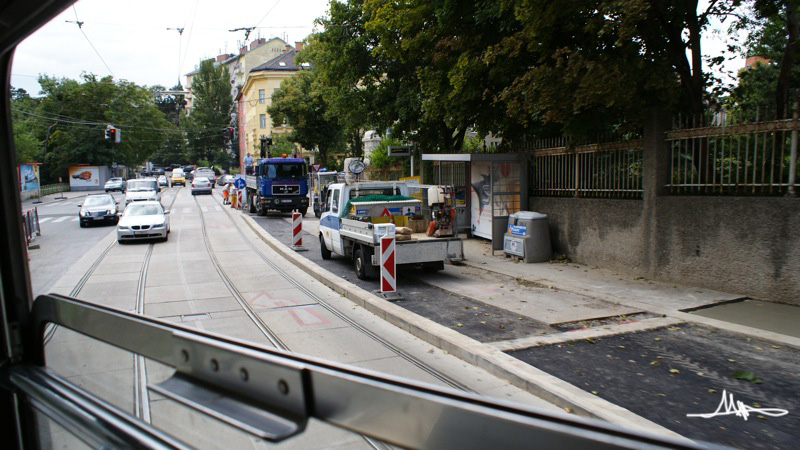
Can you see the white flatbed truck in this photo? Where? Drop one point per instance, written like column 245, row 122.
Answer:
column 343, row 235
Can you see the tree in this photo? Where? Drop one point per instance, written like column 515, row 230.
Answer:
column 72, row 117
column 300, row 102
column 210, row 114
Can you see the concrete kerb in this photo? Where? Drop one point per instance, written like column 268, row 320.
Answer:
column 776, row 338
column 481, row 355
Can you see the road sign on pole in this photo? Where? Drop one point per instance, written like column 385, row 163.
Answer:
column 315, row 167
column 297, row 232
column 239, row 183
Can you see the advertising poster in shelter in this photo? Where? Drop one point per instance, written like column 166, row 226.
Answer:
column 481, row 200
column 28, row 177
column 506, row 188
column 84, row 176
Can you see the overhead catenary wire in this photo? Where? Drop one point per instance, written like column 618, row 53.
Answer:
column 80, row 28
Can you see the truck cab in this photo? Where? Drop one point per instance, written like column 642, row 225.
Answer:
column 278, row 184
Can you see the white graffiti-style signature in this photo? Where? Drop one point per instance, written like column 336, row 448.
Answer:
column 728, row 406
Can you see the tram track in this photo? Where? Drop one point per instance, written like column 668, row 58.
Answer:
column 275, row 340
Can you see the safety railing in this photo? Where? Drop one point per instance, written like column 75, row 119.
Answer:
column 609, row 170
column 726, row 158
column 272, row 394
column 54, row 188
column 30, row 223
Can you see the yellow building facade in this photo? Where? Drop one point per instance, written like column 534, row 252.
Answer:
column 256, row 97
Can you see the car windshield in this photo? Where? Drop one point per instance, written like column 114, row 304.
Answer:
column 115, row 180
column 285, row 171
column 140, row 185
column 142, row 210
column 96, row 201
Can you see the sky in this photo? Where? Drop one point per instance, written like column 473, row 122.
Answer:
column 134, row 43
column 130, row 39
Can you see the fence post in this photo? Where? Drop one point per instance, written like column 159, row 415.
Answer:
column 793, row 157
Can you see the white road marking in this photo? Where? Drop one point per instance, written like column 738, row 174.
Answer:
column 74, row 219
column 44, row 219
column 60, row 219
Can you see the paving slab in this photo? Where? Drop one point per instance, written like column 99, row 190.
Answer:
column 543, row 304
column 184, row 307
column 594, row 281
column 345, row 345
column 776, row 317
column 306, row 318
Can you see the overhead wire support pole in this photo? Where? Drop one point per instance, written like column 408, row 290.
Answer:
column 180, row 45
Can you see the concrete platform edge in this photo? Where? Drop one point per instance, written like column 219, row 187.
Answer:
column 518, row 373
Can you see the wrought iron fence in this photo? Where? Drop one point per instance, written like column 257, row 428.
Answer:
column 608, row 170
column 733, row 158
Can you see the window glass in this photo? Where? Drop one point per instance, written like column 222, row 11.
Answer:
column 262, row 119
column 335, row 203
column 286, row 171
column 261, row 96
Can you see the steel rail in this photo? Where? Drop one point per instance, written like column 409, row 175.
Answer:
column 270, row 335
column 413, row 360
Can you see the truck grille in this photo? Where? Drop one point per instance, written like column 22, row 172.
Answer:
column 285, row 189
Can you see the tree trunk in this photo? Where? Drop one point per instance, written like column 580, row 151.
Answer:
column 784, row 77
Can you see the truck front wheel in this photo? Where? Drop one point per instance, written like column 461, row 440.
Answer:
column 323, row 249
column 363, row 265
column 251, row 201
column 303, row 211
column 261, row 209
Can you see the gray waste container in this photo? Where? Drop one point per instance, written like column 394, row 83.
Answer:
column 528, row 236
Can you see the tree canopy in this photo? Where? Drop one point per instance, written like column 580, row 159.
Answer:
column 67, row 124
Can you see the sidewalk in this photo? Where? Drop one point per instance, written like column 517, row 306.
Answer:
column 55, row 198
column 667, row 299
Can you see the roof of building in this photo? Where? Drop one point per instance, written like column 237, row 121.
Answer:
column 284, row 62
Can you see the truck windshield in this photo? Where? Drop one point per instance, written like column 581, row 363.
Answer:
column 285, row 171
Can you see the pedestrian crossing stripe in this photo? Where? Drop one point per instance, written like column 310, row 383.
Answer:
column 44, row 219
column 60, row 219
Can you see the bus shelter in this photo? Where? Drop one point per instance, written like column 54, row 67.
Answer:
column 489, row 187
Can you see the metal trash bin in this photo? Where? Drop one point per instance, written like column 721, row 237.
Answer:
column 528, row 237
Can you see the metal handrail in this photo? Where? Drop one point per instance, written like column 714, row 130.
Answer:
column 271, row 394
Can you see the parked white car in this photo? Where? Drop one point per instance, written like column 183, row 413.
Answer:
column 143, row 220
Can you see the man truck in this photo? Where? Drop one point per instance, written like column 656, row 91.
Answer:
column 278, row 184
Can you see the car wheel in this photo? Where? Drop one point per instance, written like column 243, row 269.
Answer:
column 166, row 237
column 83, row 224
column 120, row 242
column 304, row 211
column 261, row 210
column 323, row 249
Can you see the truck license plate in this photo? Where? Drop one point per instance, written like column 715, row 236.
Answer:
column 286, row 200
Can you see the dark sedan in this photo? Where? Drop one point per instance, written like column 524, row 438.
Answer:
column 98, row 208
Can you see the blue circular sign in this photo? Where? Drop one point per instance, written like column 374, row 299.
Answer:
column 239, row 183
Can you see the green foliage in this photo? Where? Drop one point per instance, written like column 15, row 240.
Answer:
column 67, row 125
column 300, row 102
column 380, row 159
column 210, row 114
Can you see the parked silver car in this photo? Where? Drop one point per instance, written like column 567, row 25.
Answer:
column 143, row 220
column 98, row 208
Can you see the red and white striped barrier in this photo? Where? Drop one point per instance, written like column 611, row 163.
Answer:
column 239, row 203
column 388, row 268
column 297, row 232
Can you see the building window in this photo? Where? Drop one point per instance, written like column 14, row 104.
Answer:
column 261, row 96
column 262, row 119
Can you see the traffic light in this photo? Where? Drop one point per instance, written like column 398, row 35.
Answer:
column 229, row 133
column 113, row 135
